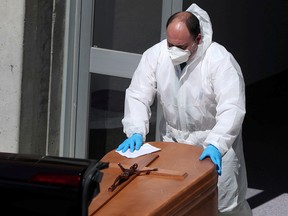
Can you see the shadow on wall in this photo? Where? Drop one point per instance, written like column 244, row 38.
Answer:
column 265, row 144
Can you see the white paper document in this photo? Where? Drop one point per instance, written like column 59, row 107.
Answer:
column 146, row 148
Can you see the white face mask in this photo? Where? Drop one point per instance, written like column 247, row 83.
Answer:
column 178, row 55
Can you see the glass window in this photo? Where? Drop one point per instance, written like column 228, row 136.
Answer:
column 130, row 26
column 107, row 95
column 127, row 25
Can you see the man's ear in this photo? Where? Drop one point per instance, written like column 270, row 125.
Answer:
column 198, row 38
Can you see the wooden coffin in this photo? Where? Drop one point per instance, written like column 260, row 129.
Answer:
column 182, row 184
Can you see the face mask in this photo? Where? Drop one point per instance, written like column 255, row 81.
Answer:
column 178, row 55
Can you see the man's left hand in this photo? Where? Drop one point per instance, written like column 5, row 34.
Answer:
column 215, row 155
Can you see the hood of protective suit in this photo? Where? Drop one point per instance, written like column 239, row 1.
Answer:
column 205, row 28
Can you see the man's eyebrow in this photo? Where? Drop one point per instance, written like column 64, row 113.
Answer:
column 178, row 45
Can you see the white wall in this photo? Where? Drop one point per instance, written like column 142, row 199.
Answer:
column 11, row 43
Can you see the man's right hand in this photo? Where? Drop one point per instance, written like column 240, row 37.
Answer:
column 133, row 142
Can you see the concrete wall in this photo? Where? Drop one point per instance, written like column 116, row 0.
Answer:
column 11, row 49
column 42, row 77
column 35, row 76
column 31, row 65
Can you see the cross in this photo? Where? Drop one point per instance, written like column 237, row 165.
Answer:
column 126, row 173
column 111, row 176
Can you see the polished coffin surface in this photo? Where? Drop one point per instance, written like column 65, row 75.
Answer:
column 183, row 185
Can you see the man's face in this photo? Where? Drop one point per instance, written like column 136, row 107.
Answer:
column 178, row 35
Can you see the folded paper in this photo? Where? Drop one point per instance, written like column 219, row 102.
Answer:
column 146, row 148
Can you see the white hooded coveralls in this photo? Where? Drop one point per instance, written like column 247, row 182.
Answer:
column 204, row 104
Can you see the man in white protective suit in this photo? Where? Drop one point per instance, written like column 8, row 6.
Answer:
column 203, row 104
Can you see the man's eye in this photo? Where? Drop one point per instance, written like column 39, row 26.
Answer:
column 180, row 47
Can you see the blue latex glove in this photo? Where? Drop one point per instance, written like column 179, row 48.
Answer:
column 135, row 141
column 215, row 155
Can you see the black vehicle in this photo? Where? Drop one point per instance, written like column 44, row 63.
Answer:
column 48, row 185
